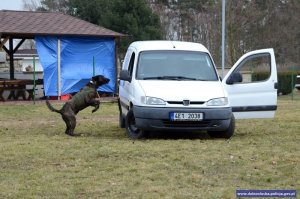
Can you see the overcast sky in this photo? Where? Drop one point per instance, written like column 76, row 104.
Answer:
column 11, row 4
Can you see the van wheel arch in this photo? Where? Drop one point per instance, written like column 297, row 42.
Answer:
column 132, row 131
column 228, row 133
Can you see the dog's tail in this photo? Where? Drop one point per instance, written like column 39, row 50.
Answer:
column 51, row 108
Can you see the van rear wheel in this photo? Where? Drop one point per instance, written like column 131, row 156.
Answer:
column 228, row 133
column 132, row 131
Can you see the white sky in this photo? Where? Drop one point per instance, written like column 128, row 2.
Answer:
column 11, row 4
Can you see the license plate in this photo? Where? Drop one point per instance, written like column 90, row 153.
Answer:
column 186, row 116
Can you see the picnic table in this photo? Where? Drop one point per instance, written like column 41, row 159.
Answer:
column 17, row 88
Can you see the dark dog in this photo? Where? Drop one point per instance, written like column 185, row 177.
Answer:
column 88, row 96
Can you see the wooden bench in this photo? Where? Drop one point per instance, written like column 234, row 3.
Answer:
column 17, row 88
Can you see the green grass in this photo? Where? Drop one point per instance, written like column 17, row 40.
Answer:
column 37, row 160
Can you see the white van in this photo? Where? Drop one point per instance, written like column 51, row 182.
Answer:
column 171, row 85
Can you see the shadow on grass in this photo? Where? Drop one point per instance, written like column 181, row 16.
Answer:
column 114, row 132
column 171, row 135
column 121, row 134
column 111, row 134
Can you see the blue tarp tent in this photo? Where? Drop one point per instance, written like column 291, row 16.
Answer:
column 80, row 58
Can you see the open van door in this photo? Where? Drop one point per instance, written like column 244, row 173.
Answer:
column 252, row 85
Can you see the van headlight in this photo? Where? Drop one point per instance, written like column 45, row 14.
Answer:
column 218, row 102
column 152, row 101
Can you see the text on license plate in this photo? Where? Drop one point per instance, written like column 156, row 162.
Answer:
column 186, row 116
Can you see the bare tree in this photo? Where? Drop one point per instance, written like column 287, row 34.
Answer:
column 55, row 5
column 250, row 25
column 31, row 5
column 46, row 5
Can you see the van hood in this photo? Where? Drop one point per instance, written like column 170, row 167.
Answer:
column 182, row 90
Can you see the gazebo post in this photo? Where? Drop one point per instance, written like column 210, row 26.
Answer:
column 11, row 59
column 117, row 42
column 11, row 51
column 58, row 68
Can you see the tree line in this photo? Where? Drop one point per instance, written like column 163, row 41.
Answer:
column 250, row 24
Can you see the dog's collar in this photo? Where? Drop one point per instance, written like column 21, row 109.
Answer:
column 93, row 84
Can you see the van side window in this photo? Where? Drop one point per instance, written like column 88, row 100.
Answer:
column 131, row 63
column 255, row 68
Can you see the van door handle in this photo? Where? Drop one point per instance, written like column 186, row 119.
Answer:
column 276, row 85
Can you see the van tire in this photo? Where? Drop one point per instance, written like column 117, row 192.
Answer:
column 132, row 131
column 228, row 133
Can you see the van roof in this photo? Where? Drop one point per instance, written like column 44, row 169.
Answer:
column 167, row 45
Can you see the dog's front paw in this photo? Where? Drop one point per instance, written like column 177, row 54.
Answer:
column 96, row 108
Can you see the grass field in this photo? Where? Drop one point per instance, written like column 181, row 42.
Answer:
column 37, row 160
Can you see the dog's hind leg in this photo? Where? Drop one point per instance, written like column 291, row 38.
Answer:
column 70, row 121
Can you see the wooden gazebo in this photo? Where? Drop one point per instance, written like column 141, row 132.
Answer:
column 24, row 25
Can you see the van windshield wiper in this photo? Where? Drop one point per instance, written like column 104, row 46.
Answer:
column 170, row 78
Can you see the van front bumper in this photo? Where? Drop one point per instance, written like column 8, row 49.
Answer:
column 156, row 118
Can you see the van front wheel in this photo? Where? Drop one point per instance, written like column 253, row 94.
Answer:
column 228, row 133
column 132, row 131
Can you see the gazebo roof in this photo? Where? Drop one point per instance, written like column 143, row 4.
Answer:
column 27, row 24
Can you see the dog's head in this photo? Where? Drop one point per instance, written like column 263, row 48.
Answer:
column 99, row 80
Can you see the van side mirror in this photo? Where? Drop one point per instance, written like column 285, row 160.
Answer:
column 234, row 78
column 124, row 75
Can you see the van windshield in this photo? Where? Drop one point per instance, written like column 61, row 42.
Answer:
column 175, row 65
